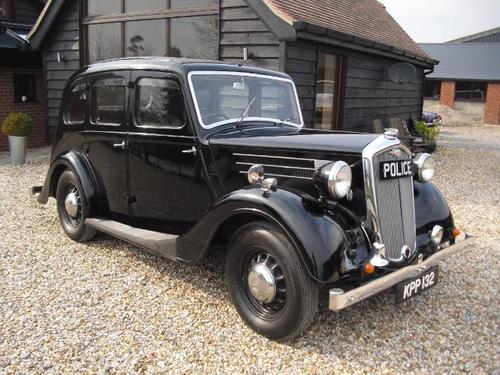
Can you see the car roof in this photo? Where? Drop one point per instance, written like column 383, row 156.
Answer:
column 180, row 65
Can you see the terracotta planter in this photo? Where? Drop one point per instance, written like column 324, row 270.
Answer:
column 18, row 147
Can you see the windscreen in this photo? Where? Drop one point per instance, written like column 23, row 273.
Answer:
column 223, row 98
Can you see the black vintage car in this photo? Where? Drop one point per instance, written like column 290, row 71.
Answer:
column 179, row 155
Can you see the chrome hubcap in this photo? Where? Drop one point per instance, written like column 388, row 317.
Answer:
column 261, row 283
column 71, row 204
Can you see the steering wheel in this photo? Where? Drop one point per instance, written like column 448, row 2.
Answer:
column 215, row 117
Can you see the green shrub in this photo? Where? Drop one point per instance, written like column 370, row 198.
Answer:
column 427, row 133
column 17, row 124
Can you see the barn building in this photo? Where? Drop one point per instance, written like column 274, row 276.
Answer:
column 338, row 51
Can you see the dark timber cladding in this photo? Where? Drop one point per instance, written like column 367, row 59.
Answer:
column 63, row 38
column 26, row 11
column 369, row 94
column 341, row 76
column 240, row 27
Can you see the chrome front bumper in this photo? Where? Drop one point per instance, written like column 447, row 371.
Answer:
column 339, row 300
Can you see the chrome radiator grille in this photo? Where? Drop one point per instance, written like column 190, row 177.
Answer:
column 395, row 208
column 390, row 203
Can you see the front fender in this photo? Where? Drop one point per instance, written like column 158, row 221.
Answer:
column 76, row 162
column 431, row 208
column 318, row 238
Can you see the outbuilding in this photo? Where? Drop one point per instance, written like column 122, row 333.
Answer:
column 339, row 52
column 468, row 76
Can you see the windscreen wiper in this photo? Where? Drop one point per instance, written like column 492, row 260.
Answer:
column 245, row 113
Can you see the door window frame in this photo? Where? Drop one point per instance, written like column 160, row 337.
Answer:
column 65, row 106
column 125, row 75
column 185, row 130
column 135, row 100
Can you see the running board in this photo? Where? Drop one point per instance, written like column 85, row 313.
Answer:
column 161, row 243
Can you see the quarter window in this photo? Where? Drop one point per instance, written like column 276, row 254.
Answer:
column 76, row 107
column 108, row 102
column 159, row 103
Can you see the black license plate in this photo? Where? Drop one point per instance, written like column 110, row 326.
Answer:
column 411, row 287
column 395, row 169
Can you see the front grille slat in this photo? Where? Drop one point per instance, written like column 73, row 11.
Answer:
column 395, row 209
column 278, row 166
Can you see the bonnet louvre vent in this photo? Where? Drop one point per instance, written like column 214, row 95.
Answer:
column 279, row 166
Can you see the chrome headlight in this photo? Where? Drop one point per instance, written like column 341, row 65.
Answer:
column 425, row 167
column 336, row 178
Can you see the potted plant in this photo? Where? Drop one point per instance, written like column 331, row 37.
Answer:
column 17, row 126
column 429, row 135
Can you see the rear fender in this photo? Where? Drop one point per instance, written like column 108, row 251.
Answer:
column 80, row 166
column 318, row 238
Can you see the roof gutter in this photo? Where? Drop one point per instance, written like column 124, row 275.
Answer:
column 323, row 35
column 24, row 44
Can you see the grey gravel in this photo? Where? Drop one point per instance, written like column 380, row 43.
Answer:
column 109, row 307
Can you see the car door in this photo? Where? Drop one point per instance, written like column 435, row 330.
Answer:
column 106, row 138
column 167, row 184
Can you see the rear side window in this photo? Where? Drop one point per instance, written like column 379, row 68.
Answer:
column 108, row 101
column 159, row 103
column 76, row 106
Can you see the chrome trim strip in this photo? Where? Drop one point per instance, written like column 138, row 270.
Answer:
column 282, row 175
column 277, row 166
column 273, row 157
column 339, row 301
column 242, row 74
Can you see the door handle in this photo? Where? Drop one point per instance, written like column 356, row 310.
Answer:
column 191, row 151
column 120, row 145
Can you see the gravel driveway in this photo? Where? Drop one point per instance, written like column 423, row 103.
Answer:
column 109, row 307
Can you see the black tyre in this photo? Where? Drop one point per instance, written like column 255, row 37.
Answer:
column 72, row 208
column 268, row 283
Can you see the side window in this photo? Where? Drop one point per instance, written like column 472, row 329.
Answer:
column 76, row 105
column 159, row 103
column 108, row 101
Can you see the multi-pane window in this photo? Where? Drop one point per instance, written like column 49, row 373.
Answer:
column 76, row 105
column 144, row 38
column 467, row 90
column 177, row 28
column 108, row 101
column 104, row 41
column 159, row 103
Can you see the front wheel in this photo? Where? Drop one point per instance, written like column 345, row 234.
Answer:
column 268, row 283
column 72, row 208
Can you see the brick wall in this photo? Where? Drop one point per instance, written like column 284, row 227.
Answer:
column 35, row 109
column 492, row 110
column 448, row 93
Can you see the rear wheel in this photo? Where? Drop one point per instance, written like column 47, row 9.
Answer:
column 72, row 208
column 268, row 283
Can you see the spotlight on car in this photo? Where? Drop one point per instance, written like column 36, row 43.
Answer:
column 256, row 174
column 437, row 234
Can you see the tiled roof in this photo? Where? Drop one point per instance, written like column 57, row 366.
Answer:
column 459, row 61
column 366, row 19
